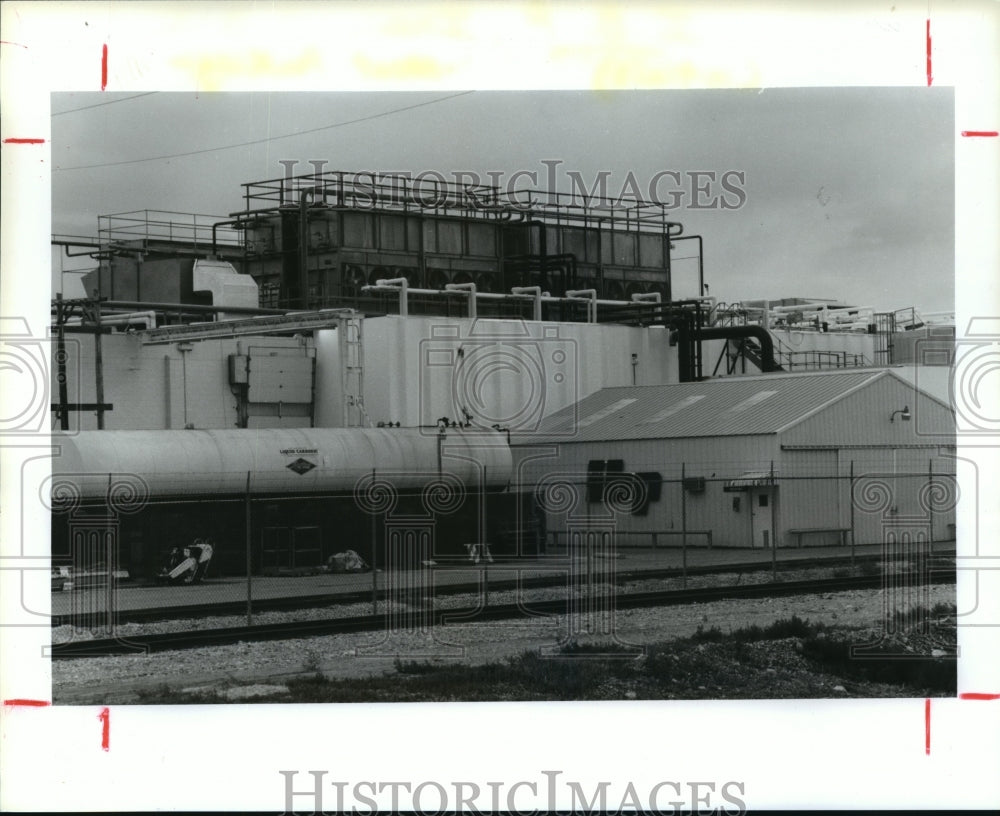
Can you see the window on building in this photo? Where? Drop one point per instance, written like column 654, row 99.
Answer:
column 599, row 473
column 653, row 484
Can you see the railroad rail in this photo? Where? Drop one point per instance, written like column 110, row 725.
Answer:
column 140, row 644
column 282, row 604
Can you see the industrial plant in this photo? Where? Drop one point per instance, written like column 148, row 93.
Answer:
column 423, row 385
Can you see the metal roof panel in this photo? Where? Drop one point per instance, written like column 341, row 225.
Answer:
column 728, row 406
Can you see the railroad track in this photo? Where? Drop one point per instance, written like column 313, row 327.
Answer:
column 302, row 629
column 146, row 615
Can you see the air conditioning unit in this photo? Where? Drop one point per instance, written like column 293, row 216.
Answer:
column 695, row 484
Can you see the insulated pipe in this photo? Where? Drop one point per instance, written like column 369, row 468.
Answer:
column 149, row 318
column 399, row 284
column 588, row 295
column 710, row 306
column 768, row 363
column 465, row 287
column 801, row 307
column 536, row 294
column 89, row 254
column 191, row 308
column 393, row 285
column 215, row 226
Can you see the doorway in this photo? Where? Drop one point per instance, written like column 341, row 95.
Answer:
column 761, row 501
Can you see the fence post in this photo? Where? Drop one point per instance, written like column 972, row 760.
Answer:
column 851, row 497
column 930, row 504
column 374, row 557
column 249, row 544
column 774, row 528
column 684, row 529
column 483, row 527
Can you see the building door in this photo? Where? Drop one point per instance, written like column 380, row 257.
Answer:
column 761, row 516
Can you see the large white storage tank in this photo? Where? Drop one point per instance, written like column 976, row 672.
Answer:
column 278, row 461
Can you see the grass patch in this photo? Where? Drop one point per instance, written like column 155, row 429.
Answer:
column 780, row 629
column 901, row 655
column 165, row 695
column 884, row 662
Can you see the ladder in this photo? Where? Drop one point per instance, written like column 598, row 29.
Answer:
column 352, row 374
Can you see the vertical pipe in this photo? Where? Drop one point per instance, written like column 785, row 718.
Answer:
column 61, row 362
column 303, row 251
column 99, row 369
column 404, row 302
column 668, row 288
column 684, row 529
column 249, row 548
column 701, row 267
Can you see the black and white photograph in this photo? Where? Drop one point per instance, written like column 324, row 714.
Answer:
column 612, row 417
column 621, row 399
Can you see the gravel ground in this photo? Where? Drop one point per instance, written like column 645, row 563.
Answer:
column 237, row 669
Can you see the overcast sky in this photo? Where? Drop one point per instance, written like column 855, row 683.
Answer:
column 849, row 192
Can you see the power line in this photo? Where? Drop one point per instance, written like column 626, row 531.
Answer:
column 101, row 104
column 269, row 138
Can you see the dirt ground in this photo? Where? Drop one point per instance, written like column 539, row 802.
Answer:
column 713, row 669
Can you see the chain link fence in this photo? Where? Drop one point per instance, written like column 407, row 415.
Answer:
column 239, row 560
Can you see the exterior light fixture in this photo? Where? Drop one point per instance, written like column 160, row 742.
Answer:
column 903, row 414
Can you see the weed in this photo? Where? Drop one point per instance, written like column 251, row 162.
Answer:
column 416, row 666
column 703, row 635
column 882, row 663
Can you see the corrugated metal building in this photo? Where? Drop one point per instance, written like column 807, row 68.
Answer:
column 750, row 461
